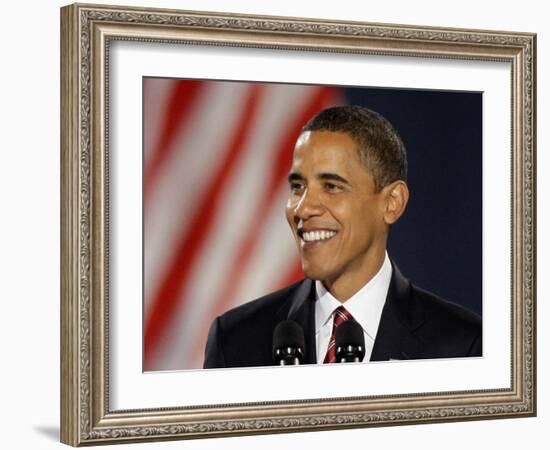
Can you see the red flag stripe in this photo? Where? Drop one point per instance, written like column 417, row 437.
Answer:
column 190, row 243
column 186, row 177
column 156, row 95
column 180, row 105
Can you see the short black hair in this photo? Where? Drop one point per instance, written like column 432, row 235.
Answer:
column 379, row 145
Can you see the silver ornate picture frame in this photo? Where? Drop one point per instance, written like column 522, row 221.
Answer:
column 88, row 33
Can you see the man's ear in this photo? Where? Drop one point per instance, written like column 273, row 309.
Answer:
column 396, row 196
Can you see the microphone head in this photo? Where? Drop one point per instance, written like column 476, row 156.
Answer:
column 350, row 341
column 288, row 340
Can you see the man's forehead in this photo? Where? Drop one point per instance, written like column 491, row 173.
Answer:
column 319, row 153
column 324, row 136
column 305, row 136
column 325, row 148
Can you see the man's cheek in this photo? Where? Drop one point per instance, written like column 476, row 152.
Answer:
column 288, row 216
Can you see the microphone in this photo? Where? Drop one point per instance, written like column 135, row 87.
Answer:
column 349, row 342
column 288, row 343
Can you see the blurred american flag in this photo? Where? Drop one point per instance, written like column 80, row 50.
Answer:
column 216, row 158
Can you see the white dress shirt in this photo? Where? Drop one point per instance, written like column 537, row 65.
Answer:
column 365, row 306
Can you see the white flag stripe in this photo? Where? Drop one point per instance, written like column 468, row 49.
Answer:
column 210, row 269
column 156, row 94
column 239, row 207
column 272, row 258
column 184, row 178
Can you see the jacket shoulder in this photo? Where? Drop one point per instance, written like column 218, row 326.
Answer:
column 437, row 308
column 445, row 325
column 242, row 336
column 268, row 306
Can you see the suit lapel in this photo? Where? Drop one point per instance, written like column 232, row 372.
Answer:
column 301, row 309
column 395, row 337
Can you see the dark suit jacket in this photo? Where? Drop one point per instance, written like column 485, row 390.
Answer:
column 415, row 324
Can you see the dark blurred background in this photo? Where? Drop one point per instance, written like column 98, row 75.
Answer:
column 437, row 243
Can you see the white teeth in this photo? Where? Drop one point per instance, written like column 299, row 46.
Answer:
column 310, row 236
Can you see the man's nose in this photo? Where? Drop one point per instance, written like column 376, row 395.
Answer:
column 309, row 205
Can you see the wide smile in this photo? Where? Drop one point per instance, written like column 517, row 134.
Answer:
column 314, row 238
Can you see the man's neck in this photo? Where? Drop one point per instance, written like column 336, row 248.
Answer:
column 349, row 283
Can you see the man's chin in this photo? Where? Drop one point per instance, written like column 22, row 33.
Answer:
column 315, row 272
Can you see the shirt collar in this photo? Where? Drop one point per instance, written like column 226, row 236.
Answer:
column 365, row 305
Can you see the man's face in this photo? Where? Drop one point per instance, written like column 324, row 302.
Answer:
column 335, row 214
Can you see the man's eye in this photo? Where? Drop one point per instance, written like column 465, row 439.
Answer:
column 332, row 187
column 295, row 186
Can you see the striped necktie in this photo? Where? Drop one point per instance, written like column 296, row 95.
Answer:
column 341, row 315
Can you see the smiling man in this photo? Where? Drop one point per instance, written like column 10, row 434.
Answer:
column 347, row 187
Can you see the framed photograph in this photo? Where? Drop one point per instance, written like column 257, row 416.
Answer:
column 187, row 143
